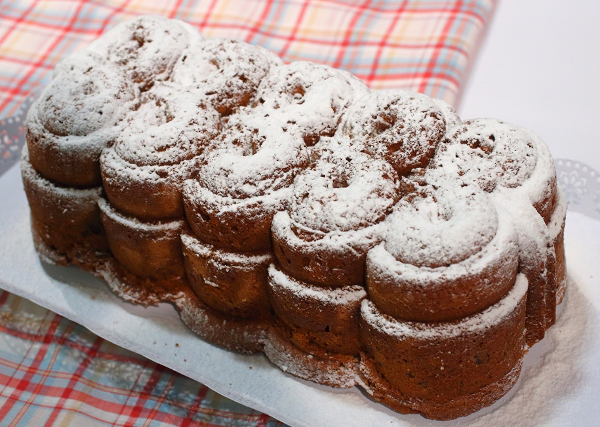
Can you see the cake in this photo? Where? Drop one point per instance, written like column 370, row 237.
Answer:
column 355, row 237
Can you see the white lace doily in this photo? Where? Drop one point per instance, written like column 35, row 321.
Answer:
column 581, row 185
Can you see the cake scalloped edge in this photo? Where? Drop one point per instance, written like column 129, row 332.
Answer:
column 265, row 335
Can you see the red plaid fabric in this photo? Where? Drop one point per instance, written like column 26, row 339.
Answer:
column 55, row 372
column 419, row 45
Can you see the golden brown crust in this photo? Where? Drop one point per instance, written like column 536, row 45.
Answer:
column 380, row 389
column 228, row 224
column 160, row 146
column 149, row 250
column 231, row 283
column 317, row 319
column 381, row 122
column 60, row 164
column 440, row 363
column 547, row 204
column 319, row 263
column 235, row 334
column 557, row 231
column 448, row 253
column 335, row 216
column 560, row 266
column 70, row 235
column 329, row 368
column 443, row 298
column 557, row 269
column 332, row 369
column 150, row 200
column 76, row 117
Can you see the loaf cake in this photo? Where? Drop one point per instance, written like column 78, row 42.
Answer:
column 355, row 237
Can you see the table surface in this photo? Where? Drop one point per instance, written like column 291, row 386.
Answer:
column 538, row 67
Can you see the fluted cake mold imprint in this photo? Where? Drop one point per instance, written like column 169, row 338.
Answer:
column 355, row 237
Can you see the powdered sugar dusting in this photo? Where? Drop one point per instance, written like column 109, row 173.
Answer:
column 343, row 191
column 234, row 258
column 534, row 237
column 333, row 296
column 228, row 72
column 441, row 227
column 401, row 127
column 450, row 116
column 292, row 360
column 85, row 96
column 237, row 125
column 356, row 241
column 308, row 97
column 131, row 222
column 146, row 48
column 558, row 217
column 541, row 185
column 257, row 156
column 487, row 152
column 549, row 390
column 168, row 127
column 79, row 113
column 501, row 251
column 275, row 201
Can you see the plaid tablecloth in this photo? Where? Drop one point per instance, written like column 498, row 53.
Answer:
column 55, row 372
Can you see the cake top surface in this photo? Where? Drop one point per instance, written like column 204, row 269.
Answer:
column 167, row 127
column 440, row 227
column 84, row 96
